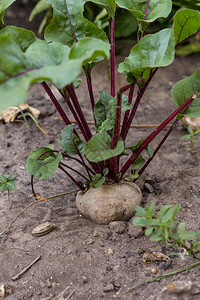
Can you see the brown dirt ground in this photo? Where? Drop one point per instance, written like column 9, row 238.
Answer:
column 78, row 253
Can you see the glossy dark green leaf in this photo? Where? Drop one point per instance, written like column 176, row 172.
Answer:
column 154, row 50
column 71, row 144
column 98, row 147
column 186, row 88
column 69, row 25
column 156, row 9
column 186, row 24
column 43, row 162
column 41, row 61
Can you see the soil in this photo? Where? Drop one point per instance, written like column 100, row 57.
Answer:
column 95, row 261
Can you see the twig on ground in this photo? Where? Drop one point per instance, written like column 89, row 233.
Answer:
column 62, row 294
column 26, row 268
column 35, row 202
column 70, row 295
column 132, row 125
column 162, row 276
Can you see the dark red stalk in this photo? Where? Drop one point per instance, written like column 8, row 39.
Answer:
column 161, row 143
column 154, row 134
column 145, row 17
column 56, row 103
column 67, row 100
column 90, row 90
column 112, row 56
column 81, row 162
column 78, row 109
column 68, row 167
column 114, row 161
column 72, row 178
column 114, row 166
column 137, row 102
column 187, row 38
column 126, row 115
column 158, row 147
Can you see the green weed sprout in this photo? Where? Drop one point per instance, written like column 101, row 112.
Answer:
column 7, row 183
column 25, row 115
column 190, row 137
column 162, row 227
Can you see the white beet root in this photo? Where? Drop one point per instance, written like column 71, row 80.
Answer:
column 109, row 203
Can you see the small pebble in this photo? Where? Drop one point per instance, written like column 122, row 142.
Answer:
column 153, row 270
column 148, row 187
column 108, row 288
column 82, row 279
column 117, row 227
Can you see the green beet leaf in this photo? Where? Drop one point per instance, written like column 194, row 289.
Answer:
column 156, row 9
column 40, row 62
column 71, row 144
column 3, row 5
column 109, row 5
column 7, row 183
column 43, row 163
column 90, row 50
column 186, row 24
column 41, row 6
column 98, row 147
column 186, row 88
column 24, row 38
column 98, row 180
column 105, row 110
column 138, row 163
column 154, row 50
column 69, row 25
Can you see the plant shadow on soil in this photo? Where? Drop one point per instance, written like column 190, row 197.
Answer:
column 86, row 257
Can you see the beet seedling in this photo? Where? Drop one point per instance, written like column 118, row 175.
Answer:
column 7, row 183
column 162, row 227
column 190, row 138
column 72, row 44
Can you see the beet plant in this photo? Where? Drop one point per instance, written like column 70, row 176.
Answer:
column 72, row 44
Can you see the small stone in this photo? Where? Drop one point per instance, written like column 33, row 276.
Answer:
column 90, row 242
column 117, row 227
column 148, row 187
column 153, row 270
column 108, row 288
column 2, row 290
column 42, row 284
column 135, row 231
column 49, row 284
column 15, row 297
column 82, row 279
column 123, row 260
column 109, row 251
column 149, row 179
